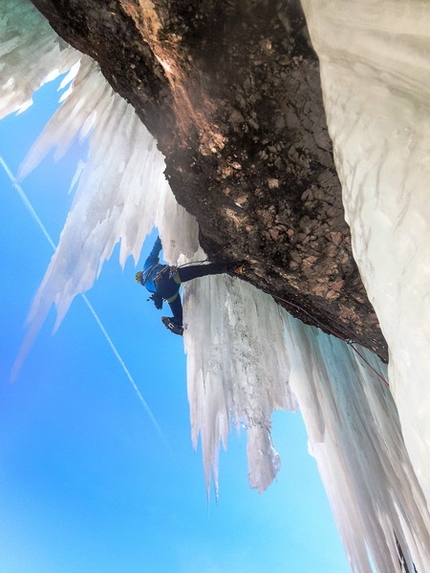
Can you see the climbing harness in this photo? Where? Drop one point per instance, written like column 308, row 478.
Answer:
column 170, row 270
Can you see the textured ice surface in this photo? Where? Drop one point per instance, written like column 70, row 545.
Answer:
column 24, row 34
column 375, row 69
column 245, row 356
column 354, row 434
column 121, row 190
column 238, row 370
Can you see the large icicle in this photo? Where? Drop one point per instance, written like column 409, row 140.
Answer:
column 239, row 373
column 121, row 190
column 355, row 436
column 24, row 34
column 121, row 193
column 375, row 71
column 247, row 357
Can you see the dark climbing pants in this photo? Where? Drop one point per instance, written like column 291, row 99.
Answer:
column 168, row 284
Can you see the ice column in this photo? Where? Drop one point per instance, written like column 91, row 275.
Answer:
column 354, row 433
column 237, row 370
column 375, row 74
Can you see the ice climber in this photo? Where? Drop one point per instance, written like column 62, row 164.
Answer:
column 164, row 281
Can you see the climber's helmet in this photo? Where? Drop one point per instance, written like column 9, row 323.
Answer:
column 139, row 277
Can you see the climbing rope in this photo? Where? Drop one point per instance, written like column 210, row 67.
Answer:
column 336, row 334
column 319, row 323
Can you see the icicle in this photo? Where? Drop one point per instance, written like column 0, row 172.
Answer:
column 240, row 368
column 24, row 34
column 234, row 376
column 118, row 192
column 121, row 191
column 357, row 442
column 376, row 85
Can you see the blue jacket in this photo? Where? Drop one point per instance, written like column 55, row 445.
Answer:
column 151, row 266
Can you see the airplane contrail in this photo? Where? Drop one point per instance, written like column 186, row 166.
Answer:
column 42, row 227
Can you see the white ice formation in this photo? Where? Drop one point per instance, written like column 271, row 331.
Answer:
column 376, row 77
column 23, row 39
column 375, row 70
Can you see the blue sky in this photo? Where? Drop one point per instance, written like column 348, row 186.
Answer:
column 86, row 483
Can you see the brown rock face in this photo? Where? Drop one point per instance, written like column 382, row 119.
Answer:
column 231, row 91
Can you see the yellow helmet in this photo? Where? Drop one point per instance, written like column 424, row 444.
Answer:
column 139, row 277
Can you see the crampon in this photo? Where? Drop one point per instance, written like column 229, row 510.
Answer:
column 172, row 326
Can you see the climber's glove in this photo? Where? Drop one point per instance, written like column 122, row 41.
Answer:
column 157, row 300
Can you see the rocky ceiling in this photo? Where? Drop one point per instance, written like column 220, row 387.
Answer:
column 231, row 91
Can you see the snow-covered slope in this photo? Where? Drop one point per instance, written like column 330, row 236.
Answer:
column 256, row 358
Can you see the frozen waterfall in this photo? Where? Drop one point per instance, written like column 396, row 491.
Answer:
column 256, row 358
column 376, row 85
